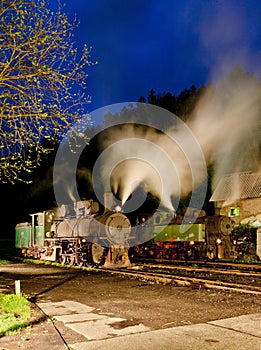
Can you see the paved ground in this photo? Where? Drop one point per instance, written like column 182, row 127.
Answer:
column 105, row 332
column 95, row 331
column 86, row 311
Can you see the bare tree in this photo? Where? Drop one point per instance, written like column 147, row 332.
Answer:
column 42, row 82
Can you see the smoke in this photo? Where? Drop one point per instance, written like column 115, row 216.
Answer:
column 231, row 109
column 225, row 126
column 226, row 123
column 134, row 158
column 64, row 181
column 227, row 119
column 147, row 161
column 166, row 164
column 228, row 38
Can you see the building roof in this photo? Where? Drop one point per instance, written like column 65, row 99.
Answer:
column 238, row 186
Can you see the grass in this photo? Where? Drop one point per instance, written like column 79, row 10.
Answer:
column 15, row 312
column 4, row 262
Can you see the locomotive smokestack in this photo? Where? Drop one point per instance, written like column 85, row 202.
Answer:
column 109, row 202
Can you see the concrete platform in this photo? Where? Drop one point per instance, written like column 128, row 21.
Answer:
column 194, row 337
column 103, row 331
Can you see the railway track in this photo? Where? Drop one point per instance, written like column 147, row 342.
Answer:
column 243, row 278
column 230, row 265
column 207, row 269
column 196, row 277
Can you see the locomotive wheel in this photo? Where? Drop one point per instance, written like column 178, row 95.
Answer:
column 97, row 253
column 210, row 254
column 62, row 259
column 72, row 260
column 83, row 262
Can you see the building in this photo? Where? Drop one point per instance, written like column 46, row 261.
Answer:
column 238, row 196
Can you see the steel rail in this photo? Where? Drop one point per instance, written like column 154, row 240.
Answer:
column 203, row 269
column 225, row 264
column 186, row 281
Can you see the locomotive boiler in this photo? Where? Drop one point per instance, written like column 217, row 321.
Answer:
column 78, row 235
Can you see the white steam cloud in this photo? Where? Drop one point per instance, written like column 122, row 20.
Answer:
column 225, row 122
column 165, row 164
column 225, row 125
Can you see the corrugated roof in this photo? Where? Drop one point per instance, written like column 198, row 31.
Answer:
column 238, row 186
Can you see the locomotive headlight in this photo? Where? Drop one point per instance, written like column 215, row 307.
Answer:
column 218, row 241
column 117, row 208
column 191, row 242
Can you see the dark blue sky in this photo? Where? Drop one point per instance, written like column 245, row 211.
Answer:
column 166, row 45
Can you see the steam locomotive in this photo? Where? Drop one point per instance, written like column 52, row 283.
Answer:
column 80, row 235
column 194, row 237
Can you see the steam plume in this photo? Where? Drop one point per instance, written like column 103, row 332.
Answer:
column 226, row 125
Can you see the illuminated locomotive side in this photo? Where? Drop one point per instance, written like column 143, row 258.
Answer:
column 206, row 237
column 80, row 236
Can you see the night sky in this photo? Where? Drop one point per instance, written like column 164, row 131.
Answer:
column 166, row 45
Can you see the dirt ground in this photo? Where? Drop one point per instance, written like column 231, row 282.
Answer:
column 155, row 305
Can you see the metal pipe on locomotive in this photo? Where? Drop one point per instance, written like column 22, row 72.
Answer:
column 78, row 235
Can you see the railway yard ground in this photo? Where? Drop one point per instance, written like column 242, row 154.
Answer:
column 187, row 307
